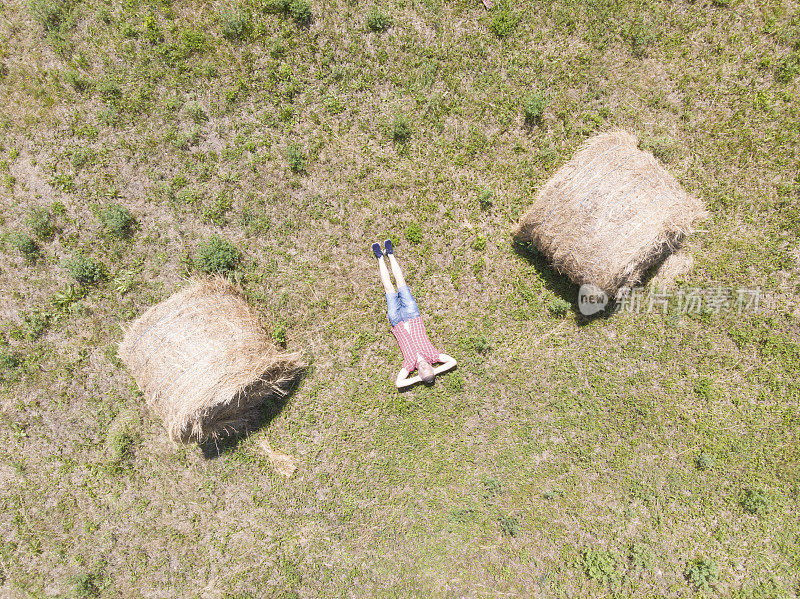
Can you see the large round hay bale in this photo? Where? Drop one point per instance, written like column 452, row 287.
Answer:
column 609, row 214
column 205, row 363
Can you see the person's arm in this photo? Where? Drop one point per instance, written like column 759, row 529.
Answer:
column 449, row 362
column 402, row 380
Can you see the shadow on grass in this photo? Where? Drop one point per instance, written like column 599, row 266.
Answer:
column 559, row 284
column 262, row 417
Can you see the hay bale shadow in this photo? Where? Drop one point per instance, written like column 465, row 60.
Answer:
column 257, row 419
column 564, row 288
column 559, row 284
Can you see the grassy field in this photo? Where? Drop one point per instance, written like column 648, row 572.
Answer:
column 639, row 455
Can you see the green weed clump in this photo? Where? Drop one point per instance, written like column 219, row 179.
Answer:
column 63, row 299
column 455, row 383
column 109, row 116
column 754, row 501
column 236, row 26
column 701, row 573
column 121, row 439
column 196, row 112
column 86, row 586
column 509, row 526
column 414, row 233
column 485, row 199
column 703, row 461
column 217, row 211
column 504, row 20
column 26, row 246
column 641, row 556
column 662, row 148
column 51, row 14
column 600, row 565
column 279, row 333
column 480, row 344
column 128, row 31
column 704, row 388
column 35, row 323
column 296, row 158
column 120, row 444
column 63, row 181
column 535, row 104
column 788, row 68
column 640, row 34
column 299, row 10
column 401, row 129
column 8, row 361
column 217, row 255
column 118, row 221
column 491, row 488
column 151, row 30
column 559, row 307
column 82, row 157
column 377, row 20
column 41, row 223
column 193, row 41
column 110, row 90
column 84, row 270
column 77, row 81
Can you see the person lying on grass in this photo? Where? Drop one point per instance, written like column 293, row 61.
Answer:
column 418, row 352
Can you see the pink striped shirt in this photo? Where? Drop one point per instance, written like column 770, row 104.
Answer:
column 414, row 341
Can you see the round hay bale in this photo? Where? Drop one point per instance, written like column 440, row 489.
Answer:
column 609, row 214
column 205, row 363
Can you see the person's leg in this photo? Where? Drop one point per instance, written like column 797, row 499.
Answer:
column 385, row 279
column 410, row 308
column 398, row 274
column 394, row 308
column 382, row 270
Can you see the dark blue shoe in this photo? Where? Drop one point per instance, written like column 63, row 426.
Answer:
column 388, row 245
column 376, row 248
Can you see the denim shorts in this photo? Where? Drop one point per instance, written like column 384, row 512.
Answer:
column 402, row 306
